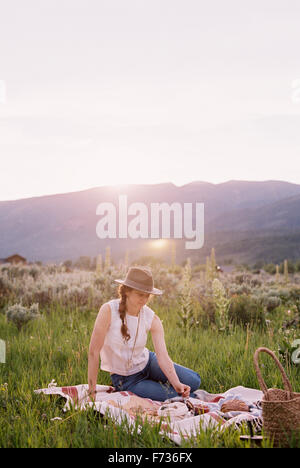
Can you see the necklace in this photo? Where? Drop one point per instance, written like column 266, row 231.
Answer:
column 130, row 360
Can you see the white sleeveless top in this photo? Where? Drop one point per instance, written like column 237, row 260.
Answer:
column 115, row 352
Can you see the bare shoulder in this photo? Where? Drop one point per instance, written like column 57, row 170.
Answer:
column 105, row 309
column 104, row 314
column 156, row 325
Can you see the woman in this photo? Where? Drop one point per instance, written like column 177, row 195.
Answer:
column 120, row 336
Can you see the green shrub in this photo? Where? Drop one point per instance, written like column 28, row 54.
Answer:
column 284, row 295
column 21, row 315
column 295, row 294
column 5, row 290
column 270, row 268
column 239, row 289
column 271, row 302
column 207, row 314
column 240, row 278
column 246, row 309
column 255, row 282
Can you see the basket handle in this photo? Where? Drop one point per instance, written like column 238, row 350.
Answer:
column 286, row 382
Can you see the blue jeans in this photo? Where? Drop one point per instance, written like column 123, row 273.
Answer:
column 152, row 383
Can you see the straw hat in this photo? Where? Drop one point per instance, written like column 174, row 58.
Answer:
column 140, row 278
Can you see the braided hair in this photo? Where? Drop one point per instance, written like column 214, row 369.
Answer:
column 122, row 309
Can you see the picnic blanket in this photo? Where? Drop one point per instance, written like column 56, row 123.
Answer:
column 180, row 418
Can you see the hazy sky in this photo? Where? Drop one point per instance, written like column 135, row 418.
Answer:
column 100, row 92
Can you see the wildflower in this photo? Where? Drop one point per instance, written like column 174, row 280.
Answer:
column 222, row 303
column 52, row 384
column 186, row 312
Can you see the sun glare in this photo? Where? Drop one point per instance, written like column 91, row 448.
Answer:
column 159, row 243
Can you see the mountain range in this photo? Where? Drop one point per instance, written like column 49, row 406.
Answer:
column 245, row 221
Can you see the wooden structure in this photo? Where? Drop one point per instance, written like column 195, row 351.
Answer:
column 16, row 258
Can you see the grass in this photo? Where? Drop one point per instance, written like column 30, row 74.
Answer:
column 56, row 347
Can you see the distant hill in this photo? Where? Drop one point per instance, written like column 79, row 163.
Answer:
column 244, row 221
column 279, row 215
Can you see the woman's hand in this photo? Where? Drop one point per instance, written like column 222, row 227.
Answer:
column 183, row 390
column 91, row 396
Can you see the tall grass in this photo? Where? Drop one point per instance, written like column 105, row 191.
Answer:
column 56, row 347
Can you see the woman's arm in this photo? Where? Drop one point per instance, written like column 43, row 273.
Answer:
column 164, row 361
column 101, row 326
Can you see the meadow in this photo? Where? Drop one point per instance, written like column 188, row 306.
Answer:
column 213, row 323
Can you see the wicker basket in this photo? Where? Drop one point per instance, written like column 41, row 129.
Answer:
column 280, row 408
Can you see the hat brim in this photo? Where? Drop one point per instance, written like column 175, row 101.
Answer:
column 155, row 291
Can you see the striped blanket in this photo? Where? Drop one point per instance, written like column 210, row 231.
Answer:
column 179, row 418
